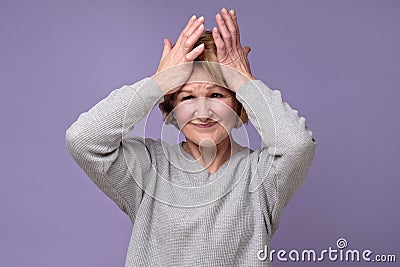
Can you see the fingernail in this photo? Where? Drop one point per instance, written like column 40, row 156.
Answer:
column 224, row 10
column 232, row 12
column 193, row 17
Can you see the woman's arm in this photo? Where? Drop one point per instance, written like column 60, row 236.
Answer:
column 288, row 152
column 289, row 145
column 120, row 166
column 96, row 143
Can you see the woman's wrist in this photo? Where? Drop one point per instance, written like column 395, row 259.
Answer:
column 168, row 83
column 160, row 81
column 237, row 79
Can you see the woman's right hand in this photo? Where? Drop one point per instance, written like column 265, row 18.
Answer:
column 176, row 61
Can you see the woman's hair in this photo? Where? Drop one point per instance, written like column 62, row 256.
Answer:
column 209, row 62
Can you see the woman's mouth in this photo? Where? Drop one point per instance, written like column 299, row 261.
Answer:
column 205, row 125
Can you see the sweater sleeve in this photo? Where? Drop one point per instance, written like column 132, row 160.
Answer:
column 98, row 143
column 288, row 150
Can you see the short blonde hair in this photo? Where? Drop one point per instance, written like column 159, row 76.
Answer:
column 209, row 55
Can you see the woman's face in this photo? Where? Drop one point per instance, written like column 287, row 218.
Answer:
column 205, row 112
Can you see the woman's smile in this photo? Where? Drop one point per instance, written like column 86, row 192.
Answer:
column 205, row 124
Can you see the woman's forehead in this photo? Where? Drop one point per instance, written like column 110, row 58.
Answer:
column 200, row 75
column 202, row 78
column 202, row 86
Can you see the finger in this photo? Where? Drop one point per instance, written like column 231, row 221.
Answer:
column 234, row 19
column 167, row 47
column 188, row 25
column 227, row 16
column 219, row 43
column 223, row 30
column 189, row 32
column 192, row 55
column 192, row 39
column 246, row 50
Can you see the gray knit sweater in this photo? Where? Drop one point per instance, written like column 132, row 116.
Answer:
column 182, row 215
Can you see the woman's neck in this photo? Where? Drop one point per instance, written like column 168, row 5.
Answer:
column 212, row 156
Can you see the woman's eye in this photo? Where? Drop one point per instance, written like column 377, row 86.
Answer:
column 187, row 97
column 216, row 95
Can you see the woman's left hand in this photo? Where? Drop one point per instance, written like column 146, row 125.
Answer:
column 229, row 50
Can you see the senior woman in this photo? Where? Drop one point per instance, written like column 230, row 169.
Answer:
column 207, row 201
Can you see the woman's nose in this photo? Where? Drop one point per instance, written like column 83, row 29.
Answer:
column 203, row 109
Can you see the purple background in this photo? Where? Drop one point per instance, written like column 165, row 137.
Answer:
column 337, row 62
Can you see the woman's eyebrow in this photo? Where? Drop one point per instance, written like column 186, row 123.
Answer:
column 191, row 90
column 185, row 91
column 211, row 86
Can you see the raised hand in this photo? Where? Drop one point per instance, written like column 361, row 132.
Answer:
column 229, row 50
column 176, row 61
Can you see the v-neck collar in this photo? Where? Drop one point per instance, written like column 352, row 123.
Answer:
column 189, row 157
